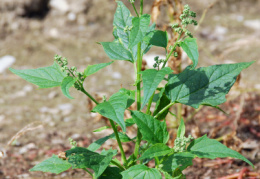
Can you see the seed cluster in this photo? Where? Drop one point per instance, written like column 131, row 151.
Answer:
column 157, row 62
column 185, row 21
column 181, row 143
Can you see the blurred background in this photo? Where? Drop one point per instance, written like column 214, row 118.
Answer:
column 34, row 124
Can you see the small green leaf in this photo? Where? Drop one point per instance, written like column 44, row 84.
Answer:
column 162, row 102
column 101, row 129
column 53, row 165
column 130, row 94
column 114, row 108
column 45, row 77
column 151, row 79
column 66, row 83
column 111, row 173
column 153, row 130
column 181, row 129
column 189, row 45
column 116, row 51
column 139, row 29
column 157, row 38
column 178, row 160
column 91, row 69
column 129, row 122
column 204, row 147
column 97, row 144
column 203, row 86
column 156, row 151
column 80, row 157
column 141, row 172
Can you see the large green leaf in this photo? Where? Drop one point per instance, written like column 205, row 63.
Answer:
column 189, row 45
column 204, row 147
column 151, row 79
column 45, row 77
column 157, row 38
column 111, row 173
column 80, row 157
column 153, row 130
column 116, row 51
column 139, row 29
column 91, row 69
column 162, row 102
column 156, row 151
column 53, row 165
column 203, row 86
column 66, row 84
column 178, row 160
column 130, row 94
column 141, row 172
column 114, row 108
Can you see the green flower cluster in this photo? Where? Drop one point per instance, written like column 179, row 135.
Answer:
column 181, row 143
column 185, row 21
column 131, row 1
column 73, row 143
column 157, row 62
column 63, row 62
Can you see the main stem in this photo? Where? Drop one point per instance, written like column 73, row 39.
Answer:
column 112, row 124
column 138, row 79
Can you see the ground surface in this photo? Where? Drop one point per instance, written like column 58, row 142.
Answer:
column 229, row 33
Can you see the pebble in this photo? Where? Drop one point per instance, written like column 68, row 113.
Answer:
column 52, row 94
column 116, row 75
column 66, row 106
column 60, row 5
column 26, row 148
column 75, row 136
column 6, row 62
column 252, row 24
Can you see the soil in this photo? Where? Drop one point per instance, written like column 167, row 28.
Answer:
column 229, row 33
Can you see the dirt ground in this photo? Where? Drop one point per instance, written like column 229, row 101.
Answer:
column 229, row 33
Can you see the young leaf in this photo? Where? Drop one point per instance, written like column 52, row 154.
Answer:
column 129, row 122
column 141, row 172
column 153, row 130
column 156, row 151
column 97, row 144
column 204, row 147
column 45, row 77
column 139, row 29
column 151, row 79
column 189, row 45
column 66, row 83
column 80, row 157
column 91, row 69
column 157, row 38
column 130, row 94
column 53, row 165
column 111, row 173
column 203, row 86
column 179, row 160
column 114, row 108
column 181, row 129
column 116, row 51
column 101, row 129
column 160, row 104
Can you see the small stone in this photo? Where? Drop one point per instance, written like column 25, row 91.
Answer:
column 66, row 106
column 27, row 147
column 116, row 75
column 72, row 16
column 6, row 62
column 27, row 88
column 75, row 136
column 52, row 95
column 252, row 24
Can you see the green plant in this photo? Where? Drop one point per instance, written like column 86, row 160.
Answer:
column 193, row 87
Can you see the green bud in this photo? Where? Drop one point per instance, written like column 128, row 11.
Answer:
column 186, row 7
column 194, row 22
column 65, row 67
column 192, row 14
column 175, row 26
column 73, row 68
column 175, row 54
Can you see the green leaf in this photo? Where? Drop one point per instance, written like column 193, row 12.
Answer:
column 156, row 151
column 157, row 38
column 178, row 160
column 97, row 144
column 80, row 157
column 181, row 129
column 101, row 129
column 45, row 77
column 53, row 165
column 116, row 51
column 111, row 173
column 91, row 69
column 160, row 104
column 204, row 147
column 129, row 122
column 203, row 86
column 123, row 137
column 141, row 172
column 130, row 94
column 114, row 108
column 139, row 29
column 153, row 130
column 66, row 83
column 151, row 79
column 189, row 45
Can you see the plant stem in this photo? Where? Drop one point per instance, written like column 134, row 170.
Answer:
column 112, row 124
column 88, row 171
column 139, row 67
column 117, row 164
column 173, row 49
column 164, row 109
column 123, row 157
column 149, row 104
column 157, row 161
column 135, row 9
